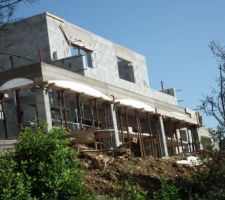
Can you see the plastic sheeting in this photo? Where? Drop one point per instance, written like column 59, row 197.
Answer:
column 136, row 104
column 80, row 88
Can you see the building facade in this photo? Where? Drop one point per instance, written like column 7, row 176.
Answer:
column 54, row 71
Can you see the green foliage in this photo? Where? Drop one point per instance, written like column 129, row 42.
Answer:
column 129, row 191
column 168, row 191
column 12, row 182
column 211, row 185
column 42, row 166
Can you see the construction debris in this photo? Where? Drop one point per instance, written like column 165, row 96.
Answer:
column 104, row 171
column 191, row 161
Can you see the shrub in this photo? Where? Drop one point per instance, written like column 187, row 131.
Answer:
column 210, row 185
column 167, row 191
column 129, row 191
column 42, row 166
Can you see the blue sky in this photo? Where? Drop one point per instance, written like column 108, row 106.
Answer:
column 173, row 35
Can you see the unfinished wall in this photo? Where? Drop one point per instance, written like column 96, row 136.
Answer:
column 23, row 38
column 55, row 37
column 104, row 57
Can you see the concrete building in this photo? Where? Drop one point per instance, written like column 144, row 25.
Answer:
column 54, row 71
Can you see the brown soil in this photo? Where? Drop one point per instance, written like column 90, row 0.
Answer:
column 104, row 172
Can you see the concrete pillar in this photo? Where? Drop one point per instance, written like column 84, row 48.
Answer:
column 43, row 107
column 164, row 148
column 115, row 127
column 195, row 139
column 199, row 146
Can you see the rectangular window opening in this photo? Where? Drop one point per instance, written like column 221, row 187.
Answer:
column 125, row 69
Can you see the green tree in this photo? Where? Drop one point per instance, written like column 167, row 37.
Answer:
column 42, row 166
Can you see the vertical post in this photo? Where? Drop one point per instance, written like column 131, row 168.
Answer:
column 121, row 123
column 12, row 62
column 92, row 113
column 151, row 134
column 114, row 123
column 162, row 86
column 78, row 110
column 171, row 133
column 60, row 107
column 188, row 137
column 96, row 112
column 181, row 141
column 163, row 137
column 44, row 107
column 176, row 136
column 4, row 117
column 37, row 116
column 127, row 127
column 105, row 115
column 192, row 140
column 196, row 138
column 158, row 140
column 18, row 111
column 64, row 108
column 108, row 111
column 139, row 136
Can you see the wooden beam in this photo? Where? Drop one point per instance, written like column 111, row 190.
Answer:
column 18, row 110
column 64, row 108
column 60, row 107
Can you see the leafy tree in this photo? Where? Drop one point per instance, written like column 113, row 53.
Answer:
column 42, row 166
column 7, row 9
column 214, row 103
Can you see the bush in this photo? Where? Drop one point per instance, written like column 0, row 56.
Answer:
column 167, row 191
column 42, row 166
column 129, row 191
column 210, row 185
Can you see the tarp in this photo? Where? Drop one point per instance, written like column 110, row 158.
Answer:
column 135, row 104
column 80, row 88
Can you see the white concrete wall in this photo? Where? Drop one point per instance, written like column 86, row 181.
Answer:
column 104, row 58
column 23, row 38
column 43, row 31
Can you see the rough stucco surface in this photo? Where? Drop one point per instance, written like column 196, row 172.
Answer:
column 43, row 32
column 104, row 58
column 23, row 38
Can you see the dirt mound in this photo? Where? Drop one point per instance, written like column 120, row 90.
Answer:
column 104, row 172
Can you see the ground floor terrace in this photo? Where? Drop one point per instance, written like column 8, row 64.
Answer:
column 97, row 116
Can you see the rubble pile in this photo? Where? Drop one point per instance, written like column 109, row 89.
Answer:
column 103, row 172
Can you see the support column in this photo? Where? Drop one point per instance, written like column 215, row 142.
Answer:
column 163, row 138
column 115, row 127
column 198, row 144
column 43, row 107
column 3, row 116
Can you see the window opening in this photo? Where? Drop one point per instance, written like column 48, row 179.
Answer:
column 125, row 69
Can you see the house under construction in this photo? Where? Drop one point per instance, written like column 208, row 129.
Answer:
column 54, row 71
